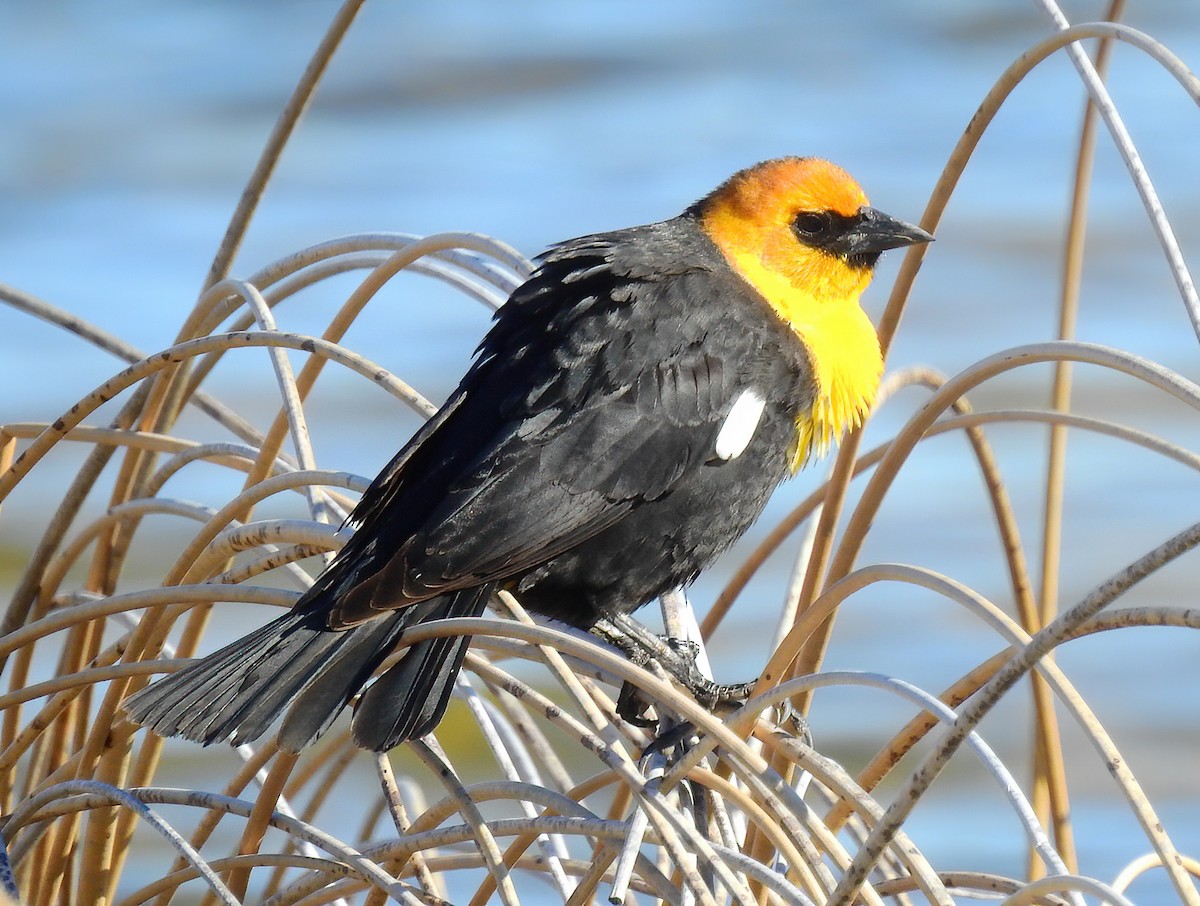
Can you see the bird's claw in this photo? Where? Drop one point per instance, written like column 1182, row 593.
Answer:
column 707, row 692
column 685, row 648
column 677, row 657
column 631, row 704
column 632, row 707
column 682, row 735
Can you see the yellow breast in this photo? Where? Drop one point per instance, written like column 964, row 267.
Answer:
column 842, row 345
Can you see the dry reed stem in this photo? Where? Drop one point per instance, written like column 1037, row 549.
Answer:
column 1049, row 780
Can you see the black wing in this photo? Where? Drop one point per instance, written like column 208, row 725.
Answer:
column 594, row 391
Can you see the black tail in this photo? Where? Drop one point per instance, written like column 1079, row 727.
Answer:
column 236, row 693
column 410, row 699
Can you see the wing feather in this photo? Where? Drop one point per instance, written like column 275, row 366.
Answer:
column 590, row 396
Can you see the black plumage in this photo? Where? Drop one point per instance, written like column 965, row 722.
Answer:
column 574, row 464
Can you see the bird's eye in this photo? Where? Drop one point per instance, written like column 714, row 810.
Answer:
column 812, row 225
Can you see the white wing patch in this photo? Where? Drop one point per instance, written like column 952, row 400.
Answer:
column 740, row 425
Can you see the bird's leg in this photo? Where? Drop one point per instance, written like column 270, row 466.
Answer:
column 631, row 706
column 676, row 656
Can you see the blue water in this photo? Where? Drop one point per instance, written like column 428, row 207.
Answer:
column 127, row 131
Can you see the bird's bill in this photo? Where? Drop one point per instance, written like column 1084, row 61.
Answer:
column 877, row 232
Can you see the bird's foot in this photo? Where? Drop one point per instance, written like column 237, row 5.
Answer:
column 677, row 657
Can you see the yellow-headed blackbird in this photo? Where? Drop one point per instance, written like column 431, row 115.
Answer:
column 633, row 406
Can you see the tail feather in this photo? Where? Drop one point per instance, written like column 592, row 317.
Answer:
column 256, row 685
column 175, row 704
column 272, row 684
column 342, row 675
column 411, row 697
column 236, row 693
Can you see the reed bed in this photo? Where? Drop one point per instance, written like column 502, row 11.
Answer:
column 533, row 791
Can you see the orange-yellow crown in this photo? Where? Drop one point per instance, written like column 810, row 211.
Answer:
column 786, row 185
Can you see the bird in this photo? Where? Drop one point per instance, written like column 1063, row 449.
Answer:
column 630, row 410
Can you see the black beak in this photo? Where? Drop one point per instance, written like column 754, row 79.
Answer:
column 873, row 232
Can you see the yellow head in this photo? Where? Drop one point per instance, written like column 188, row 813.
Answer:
column 800, row 232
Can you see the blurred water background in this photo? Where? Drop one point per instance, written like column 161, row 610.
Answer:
column 128, row 129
